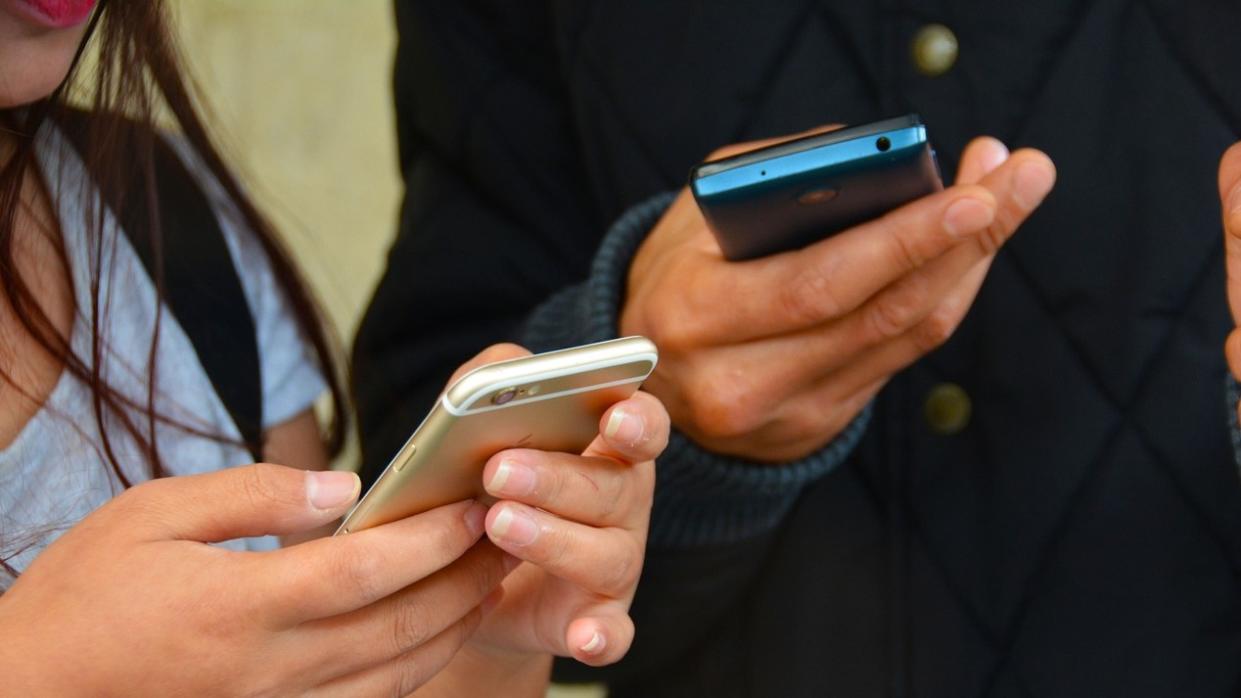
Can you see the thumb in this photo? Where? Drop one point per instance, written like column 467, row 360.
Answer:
column 1230, row 201
column 253, row 500
column 599, row 636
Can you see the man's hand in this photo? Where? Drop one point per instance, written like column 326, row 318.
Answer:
column 1230, row 201
column 769, row 359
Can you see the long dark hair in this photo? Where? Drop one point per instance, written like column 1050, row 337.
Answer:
column 139, row 81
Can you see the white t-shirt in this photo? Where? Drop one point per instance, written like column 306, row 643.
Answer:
column 55, row 471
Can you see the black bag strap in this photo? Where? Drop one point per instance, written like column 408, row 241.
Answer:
column 201, row 285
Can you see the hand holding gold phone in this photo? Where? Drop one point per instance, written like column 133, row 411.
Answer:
column 550, row 402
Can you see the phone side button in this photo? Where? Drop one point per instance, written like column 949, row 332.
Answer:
column 406, row 454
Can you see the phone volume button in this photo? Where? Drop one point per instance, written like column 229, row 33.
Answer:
column 407, row 453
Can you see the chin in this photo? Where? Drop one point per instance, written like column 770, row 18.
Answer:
column 32, row 67
column 27, row 92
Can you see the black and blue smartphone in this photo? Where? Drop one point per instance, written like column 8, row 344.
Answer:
column 789, row 195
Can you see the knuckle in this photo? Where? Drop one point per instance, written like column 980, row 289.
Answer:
column 810, row 296
column 671, row 327
column 935, row 329
column 410, row 624
column 262, row 485
column 725, row 408
column 356, row 573
column 553, row 487
column 620, row 578
column 446, row 542
column 902, row 249
column 556, row 549
column 137, row 497
column 148, row 502
column 604, row 491
column 895, row 310
column 486, row 576
column 993, row 237
column 410, row 676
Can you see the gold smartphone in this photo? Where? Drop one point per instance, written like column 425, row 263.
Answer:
column 551, row 402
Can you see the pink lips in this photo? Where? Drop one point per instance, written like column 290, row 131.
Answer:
column 61, row 13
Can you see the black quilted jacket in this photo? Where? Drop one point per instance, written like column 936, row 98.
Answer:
column 1081, row 536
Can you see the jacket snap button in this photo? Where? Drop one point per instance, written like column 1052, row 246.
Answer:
column 948, row 409
column 934, row 50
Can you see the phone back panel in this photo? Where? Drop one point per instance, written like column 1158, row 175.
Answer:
column 796, row 193
column 555, row 403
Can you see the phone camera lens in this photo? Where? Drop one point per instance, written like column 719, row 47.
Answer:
column 883, row 144
column 504, row 396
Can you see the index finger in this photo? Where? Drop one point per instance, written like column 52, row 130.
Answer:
column 833, row 277
column 633, row 430
column 331, row 576
column 490, row 355
column 1230, row 201
column 800, row 289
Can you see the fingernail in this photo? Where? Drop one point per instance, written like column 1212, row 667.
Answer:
column 966, row 216
column 995, row 155
column 514, row 527
column 331, row 489
column 476, row 518
column 512, row 478
column 624, row 427
column 1031, row 182
column 596, row 644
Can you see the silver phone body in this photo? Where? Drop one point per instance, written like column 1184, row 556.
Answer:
column 550, row 402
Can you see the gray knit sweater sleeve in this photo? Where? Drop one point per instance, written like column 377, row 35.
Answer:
column 701, row 498
column 1232, row 394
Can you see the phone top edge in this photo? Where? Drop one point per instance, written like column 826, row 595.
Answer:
column 910, row 122
column 472, row 409
column 461, row 395
column 817, row 161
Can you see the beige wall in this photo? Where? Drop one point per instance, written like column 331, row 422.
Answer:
column 301, row 94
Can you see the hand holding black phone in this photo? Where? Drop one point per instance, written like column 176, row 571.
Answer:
column 789, row 195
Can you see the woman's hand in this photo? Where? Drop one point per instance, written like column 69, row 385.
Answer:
column 133, row 601
column 580, row 521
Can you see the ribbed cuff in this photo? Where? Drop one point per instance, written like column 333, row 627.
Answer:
column 701, row 498
column 1233, row 397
